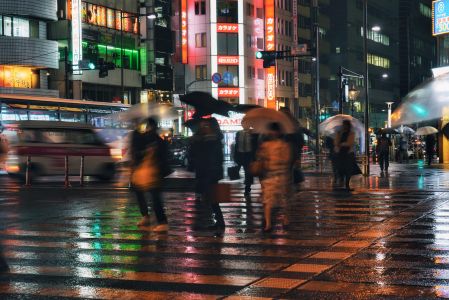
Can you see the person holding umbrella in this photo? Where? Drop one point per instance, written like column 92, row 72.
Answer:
column 383, row 152
column 206, row 155
column 149, row 166
column 275, row 157
column 344, row 149
column 430, row 147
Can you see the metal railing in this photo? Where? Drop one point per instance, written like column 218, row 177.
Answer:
column 28, row 171
column 322, row 163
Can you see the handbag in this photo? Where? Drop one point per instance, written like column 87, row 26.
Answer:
column 220, row 193
column 233, row 173
column 256, row 168
column 146, row 175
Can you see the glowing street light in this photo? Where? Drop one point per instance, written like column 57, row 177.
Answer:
column 376, row 28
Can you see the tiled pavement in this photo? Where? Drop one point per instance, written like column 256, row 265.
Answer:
column 387, row 239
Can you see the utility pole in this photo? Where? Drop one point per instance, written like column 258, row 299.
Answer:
column 122, row 80
column 66, row 72
column 317, row 80
column 365, row 60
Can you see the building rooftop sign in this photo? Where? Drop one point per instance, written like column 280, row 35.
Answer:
column 440, row 17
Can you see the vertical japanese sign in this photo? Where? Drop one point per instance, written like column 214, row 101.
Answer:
column 77, row 48
column 270, row 78
column 295, row 48
column 184, row 37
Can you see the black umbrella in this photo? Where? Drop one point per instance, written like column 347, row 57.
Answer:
column 244, row 108
column 205, row 104
column 445, row 130
column 389, row 131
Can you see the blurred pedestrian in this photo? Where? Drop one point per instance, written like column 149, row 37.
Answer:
column 149, row 161
column 244, row 153
column 383, row 152
column 344, row 149
column 275, row 157
column 403, row 149
column 430, row 148
column 206, row 154
column 3, row 264
column 329, row 144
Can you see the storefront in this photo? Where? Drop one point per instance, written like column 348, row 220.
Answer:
column 229, row 127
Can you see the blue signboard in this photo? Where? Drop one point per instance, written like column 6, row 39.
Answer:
column 440, row 17
column 228, row 77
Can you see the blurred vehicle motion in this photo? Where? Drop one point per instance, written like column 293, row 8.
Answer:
column 47, row 144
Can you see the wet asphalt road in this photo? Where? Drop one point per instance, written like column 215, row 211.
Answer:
column 389, row 238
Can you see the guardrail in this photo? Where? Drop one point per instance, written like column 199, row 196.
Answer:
column 322, row 163
column 66, row 172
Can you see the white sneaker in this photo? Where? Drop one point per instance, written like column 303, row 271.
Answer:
column 144, row 222
column 160, row 228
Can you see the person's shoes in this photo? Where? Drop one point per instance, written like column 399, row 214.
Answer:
column 145, row 221
column 382, row 174
column 160, row 228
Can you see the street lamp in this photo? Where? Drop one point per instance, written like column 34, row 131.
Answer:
column 353, row 94
column 389, row 104
column 376, row 28
column 150, row 16
column 365, row 60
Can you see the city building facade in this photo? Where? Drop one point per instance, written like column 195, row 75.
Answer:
column 27, row 55
column 346, row 39
column 98, row 31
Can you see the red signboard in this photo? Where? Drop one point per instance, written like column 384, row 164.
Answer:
column 228, row 92
column 227, row 28
column 228, row 60
column 184, row 40
column 270, row 45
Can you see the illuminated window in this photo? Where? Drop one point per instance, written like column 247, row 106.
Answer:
column 425, row 10
column 201, row 72
column 200, row 7
column 227, row 11
column 7, row 23
column 21, row 27
column 1, row 25
column 200, row 40
column 377, row 37
column 378, row 61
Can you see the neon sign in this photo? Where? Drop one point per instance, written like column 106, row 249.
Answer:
column 228, row 60
column 227, row 28
column 77, row 48
column 228, row 92
column 270, row 46
column 184, row 40
column 440, row 17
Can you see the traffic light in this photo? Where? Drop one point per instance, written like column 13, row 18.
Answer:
column 269, row 57
column 104, row 67
column 86, row 65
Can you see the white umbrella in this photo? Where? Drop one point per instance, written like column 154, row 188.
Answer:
column 426, row 130
column 406, row 130
column 331, row 125
column 143, row 111
column 258, row 120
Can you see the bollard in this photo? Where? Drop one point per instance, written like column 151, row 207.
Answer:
column 82, row 171
column 27, row 172
column 66, row 172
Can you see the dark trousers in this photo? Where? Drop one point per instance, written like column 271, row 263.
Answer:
column 384, row 161
column 249, row 179
column 158, row 208
column 208, row 196
column 429, row 157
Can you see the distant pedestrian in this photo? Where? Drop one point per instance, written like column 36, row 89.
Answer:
column 344, row 149
column 3, row 264
column 149, row 158
column 244, row 153
column 206, row 154
column 275, row 157
column 403, row 149
column 329, row 144
column 383, row 152
column 430, row 148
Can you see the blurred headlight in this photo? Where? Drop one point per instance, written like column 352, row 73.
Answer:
column 116, row 153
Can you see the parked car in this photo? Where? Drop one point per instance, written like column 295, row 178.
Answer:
column 178, row 147
column 48, row 143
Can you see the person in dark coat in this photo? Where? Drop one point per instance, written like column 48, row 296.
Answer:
column 206, row 154
column 430, row 148
column 245, row 153
column 144, row 140
column 344, row 148
column 329, row 144
column 383, row 152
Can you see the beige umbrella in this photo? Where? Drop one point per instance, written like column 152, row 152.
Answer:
column 426, row 130
column 143, row 111
column 258, row 120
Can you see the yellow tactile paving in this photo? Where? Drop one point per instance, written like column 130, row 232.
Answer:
column 84, row 292
column 353, row 244
column 307, row 268
column 190, row 278
column 278, row 283
column 332, row 255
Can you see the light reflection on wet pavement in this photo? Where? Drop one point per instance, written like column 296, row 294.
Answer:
column 389, row 238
